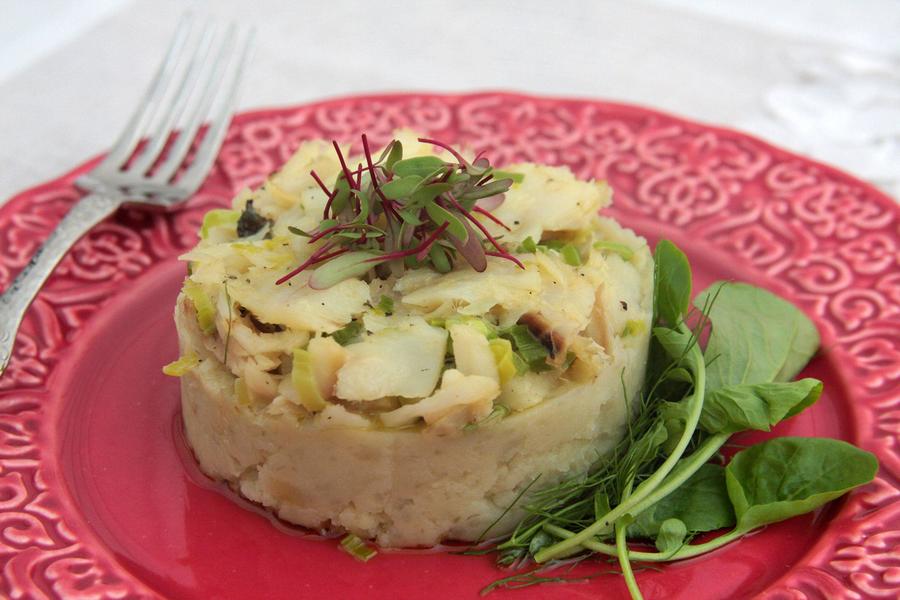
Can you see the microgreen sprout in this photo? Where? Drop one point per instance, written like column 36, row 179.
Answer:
column 393, row 213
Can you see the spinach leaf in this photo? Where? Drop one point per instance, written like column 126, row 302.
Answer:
column 790, row 476
column 671, row 535
column 742, row 407
column 701, row 504
column 756, row 336
column 672, row 278
column 804, row 345
column 759, row 406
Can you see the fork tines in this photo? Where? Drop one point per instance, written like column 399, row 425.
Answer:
column 196, row 83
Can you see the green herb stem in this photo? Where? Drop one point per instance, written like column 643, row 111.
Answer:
column 683, row 553
column 603, row 525
column 622, row 551
column 697, row 459
column 687, row 468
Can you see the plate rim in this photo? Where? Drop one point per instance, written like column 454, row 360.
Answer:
column 258, row 112
column 65, row 179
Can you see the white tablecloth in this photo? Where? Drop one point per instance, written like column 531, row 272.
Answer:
column 821, row 77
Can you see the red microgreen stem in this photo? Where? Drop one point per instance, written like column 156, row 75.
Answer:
column 328, row 193
column 429, row 241
column 507, row 256
column 439, row 144
column 331, row 229
column 502, row 253
column 347, row 174
column 314, row 258
column 412, row 251
column 487, row 213
column 388, row 230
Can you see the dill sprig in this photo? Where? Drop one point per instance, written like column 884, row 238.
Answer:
column 394, row 213
column 572, row 503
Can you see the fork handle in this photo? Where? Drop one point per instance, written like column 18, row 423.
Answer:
column 86, row 213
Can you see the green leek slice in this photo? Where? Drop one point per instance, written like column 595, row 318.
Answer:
column 304, row 381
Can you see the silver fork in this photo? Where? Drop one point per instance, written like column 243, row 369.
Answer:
column 196, row 82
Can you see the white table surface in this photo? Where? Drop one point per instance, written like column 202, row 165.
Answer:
column 820, row 77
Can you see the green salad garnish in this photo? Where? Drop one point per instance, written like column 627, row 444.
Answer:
column 667, row 481
column 412, row 212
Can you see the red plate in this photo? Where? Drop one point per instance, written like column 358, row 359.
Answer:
column 99, row 498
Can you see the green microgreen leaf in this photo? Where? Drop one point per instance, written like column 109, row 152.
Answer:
column 410, row 216
column 491, row 188
column 440, row 259
column 394, row 155
column 441, row 215
column 458, row 177
column 425, row 194
column 419, row 165
column 341, row 199
column 343, row 267
column 401, row 187
column 381, row 208
column 350, row 235
column 365, row 206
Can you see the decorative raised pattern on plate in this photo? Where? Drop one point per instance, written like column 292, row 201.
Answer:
column 830, row 241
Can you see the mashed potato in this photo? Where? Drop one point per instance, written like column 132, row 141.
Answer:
column 399, row 409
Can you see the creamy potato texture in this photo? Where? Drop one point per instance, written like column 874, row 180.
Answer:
column 400, row 409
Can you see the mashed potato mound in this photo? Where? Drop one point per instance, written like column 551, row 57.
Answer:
column 398, row 409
